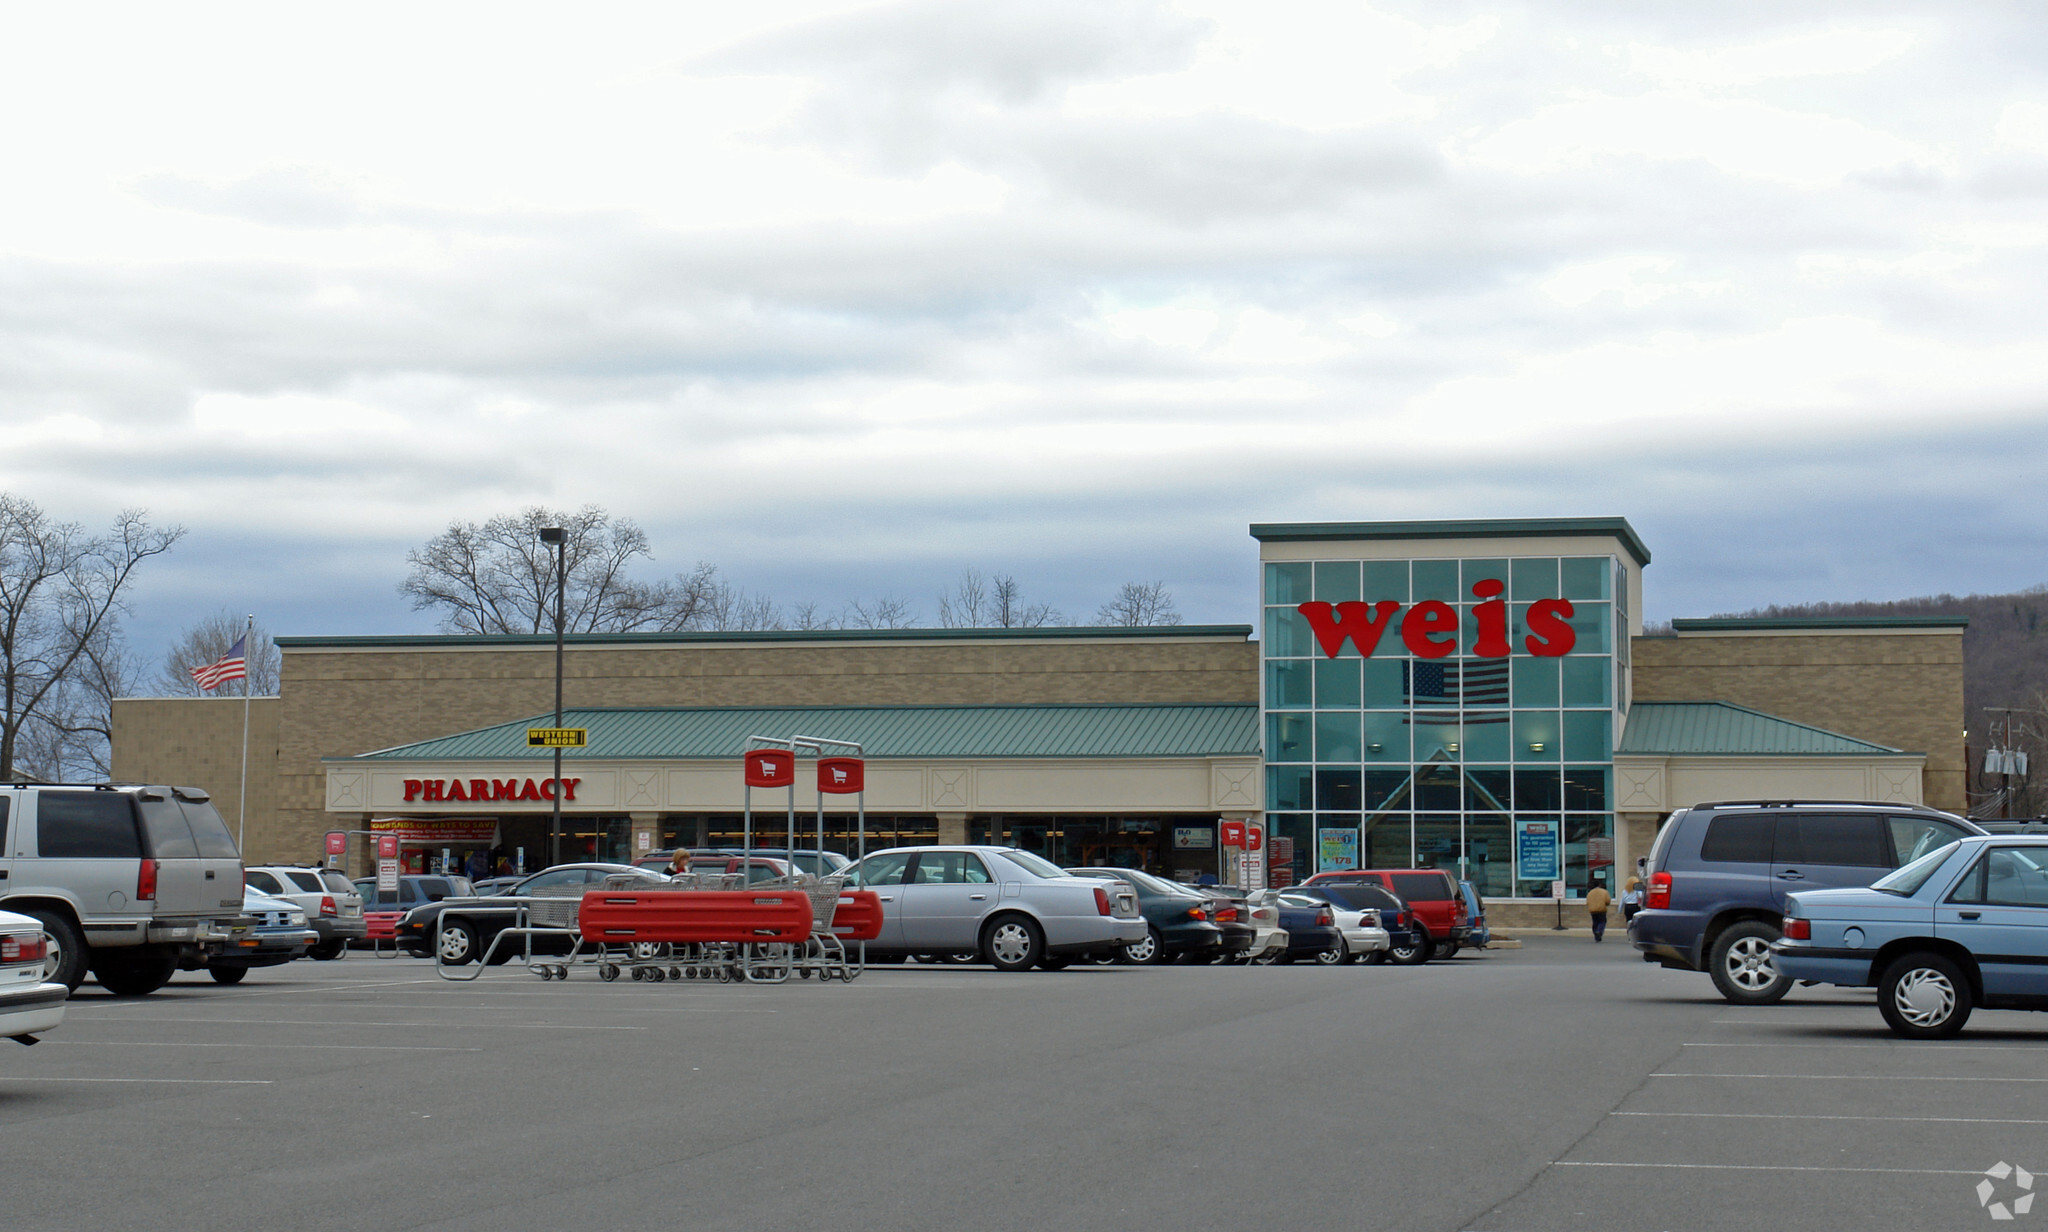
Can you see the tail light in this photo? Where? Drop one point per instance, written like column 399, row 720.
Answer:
column 1101, row 901
column 1798, row 930
column 1405, row 920
column 1659, row 897
column 24, row 948
column 1324, row 919
column 327, row 906
column 1196, row 913
column 1226, row 915
column 145, row 881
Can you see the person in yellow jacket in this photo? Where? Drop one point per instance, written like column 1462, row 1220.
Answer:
column 1596, row 903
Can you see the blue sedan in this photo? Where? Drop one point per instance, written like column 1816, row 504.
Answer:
column 1960, row 927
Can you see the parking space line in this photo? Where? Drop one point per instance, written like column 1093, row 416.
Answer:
column 1900, row 1046
column 197, row 1082
column 79, row 1043
column 330, row 1022
column 1850, row 1077
column 1822, row 1116
column 1601, row 1163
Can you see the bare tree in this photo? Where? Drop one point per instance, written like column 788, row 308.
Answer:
column 887, row 612
column 808, row 615
column 209, row 639
column 979, row 603
column 73, row 739
column 499, row 577
column 728, row 608
column 61, row 596
column 1139, row 604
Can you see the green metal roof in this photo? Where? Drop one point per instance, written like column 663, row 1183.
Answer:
column 678, row 732
column 1052, row 633
column 1725, row 729
column 1471, row 528
column 1724, row 624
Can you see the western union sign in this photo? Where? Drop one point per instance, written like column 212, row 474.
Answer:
column 557, row 737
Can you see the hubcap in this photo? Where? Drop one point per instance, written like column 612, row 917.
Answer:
column 1010, row 943
column 1750, row 965
column 53, row 959
column 454, row 945
column 1142, row 951
column 1925, row 998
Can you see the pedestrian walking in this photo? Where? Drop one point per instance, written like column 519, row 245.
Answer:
column 1631, row 899
column 1596, row 903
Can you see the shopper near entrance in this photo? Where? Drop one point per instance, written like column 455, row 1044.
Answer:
column 1631, row 898
column 1596, row 904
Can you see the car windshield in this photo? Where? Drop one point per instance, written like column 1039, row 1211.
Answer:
column 1037, row 866
column 1906, row 882
column 1360, row 897
column 1143, row 881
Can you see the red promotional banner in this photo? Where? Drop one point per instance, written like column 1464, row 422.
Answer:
column 337, row 842
column 841, row 776
column 387, row 846
column 771, row 768
column 1233, row 834
column 437, row 831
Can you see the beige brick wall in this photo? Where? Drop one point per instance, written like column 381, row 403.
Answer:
column 197, row 742
column 1903, row 690
column 342, row 702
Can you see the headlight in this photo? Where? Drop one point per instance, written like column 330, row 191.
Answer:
column 296, row 919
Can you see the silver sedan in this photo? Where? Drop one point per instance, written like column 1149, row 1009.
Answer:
column 1012, row 909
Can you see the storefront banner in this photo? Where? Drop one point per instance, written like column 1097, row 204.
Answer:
column 1336, row 849
column 1190, row 838
column 1536, row 850
column 439, row 831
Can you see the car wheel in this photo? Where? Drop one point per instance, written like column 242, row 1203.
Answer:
column 328, row 951
column 1374, row 958
column 1416, row 952
column 227, row 975
column 1740, row 962
column 1151, row 950
column 456, row 943
column 1336, row 954
column 1924, row 996
column 67, row 957
column 1446, row 949
column 1013, row 943
column 1267, row 959
column 134, row 972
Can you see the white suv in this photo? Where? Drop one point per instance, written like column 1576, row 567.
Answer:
column 333, row 908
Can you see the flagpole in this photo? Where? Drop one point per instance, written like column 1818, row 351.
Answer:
column 242, row 796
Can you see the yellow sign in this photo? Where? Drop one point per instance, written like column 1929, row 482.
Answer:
column 557, row 737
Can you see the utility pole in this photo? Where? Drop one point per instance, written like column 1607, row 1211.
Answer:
column 560, row 538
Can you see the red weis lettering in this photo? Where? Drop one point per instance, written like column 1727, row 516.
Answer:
column 1359, row 623
column 1492, row 619
column 1549, row 635
column 1421, row 627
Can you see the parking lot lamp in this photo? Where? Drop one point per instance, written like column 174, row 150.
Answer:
column 560, row 538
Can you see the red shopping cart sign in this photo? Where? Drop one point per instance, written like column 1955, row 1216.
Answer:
column 840, row 775
column 771, row 768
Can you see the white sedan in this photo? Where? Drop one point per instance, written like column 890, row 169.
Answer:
column 29, row 1003
column 1012, row 909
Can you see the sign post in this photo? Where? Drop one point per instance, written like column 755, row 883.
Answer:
column 387, row 863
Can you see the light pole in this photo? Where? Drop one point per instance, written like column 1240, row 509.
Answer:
column 560, row 538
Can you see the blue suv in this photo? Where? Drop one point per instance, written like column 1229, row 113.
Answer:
column 1719, row 874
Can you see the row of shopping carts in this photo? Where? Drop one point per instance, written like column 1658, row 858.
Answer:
column 709, row 926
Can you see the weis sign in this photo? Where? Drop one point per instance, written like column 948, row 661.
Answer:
column 1430, row 629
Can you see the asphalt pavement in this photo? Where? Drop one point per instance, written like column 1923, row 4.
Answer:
column 1563, row 1085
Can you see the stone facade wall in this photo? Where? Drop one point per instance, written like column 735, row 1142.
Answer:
column 344, row 701
column 197, row 742
column 1904, row 690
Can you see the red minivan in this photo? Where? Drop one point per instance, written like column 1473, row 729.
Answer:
column 1430, row 892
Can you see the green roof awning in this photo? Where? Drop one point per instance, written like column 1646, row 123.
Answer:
column 680, row 732
column 1709, row 729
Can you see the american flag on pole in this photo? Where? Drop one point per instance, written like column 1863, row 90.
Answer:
column 234, row 665
column 1471, row 682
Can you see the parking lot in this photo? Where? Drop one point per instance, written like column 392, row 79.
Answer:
column 1560, row 1086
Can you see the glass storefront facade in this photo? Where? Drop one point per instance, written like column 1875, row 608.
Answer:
column 1496, row 767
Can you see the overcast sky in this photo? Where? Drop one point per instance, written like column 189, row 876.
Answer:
column 845, row 297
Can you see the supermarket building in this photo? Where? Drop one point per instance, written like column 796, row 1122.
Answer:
column 1471, row 695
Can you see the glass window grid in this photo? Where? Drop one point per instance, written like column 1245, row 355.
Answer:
column 1339, row 781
